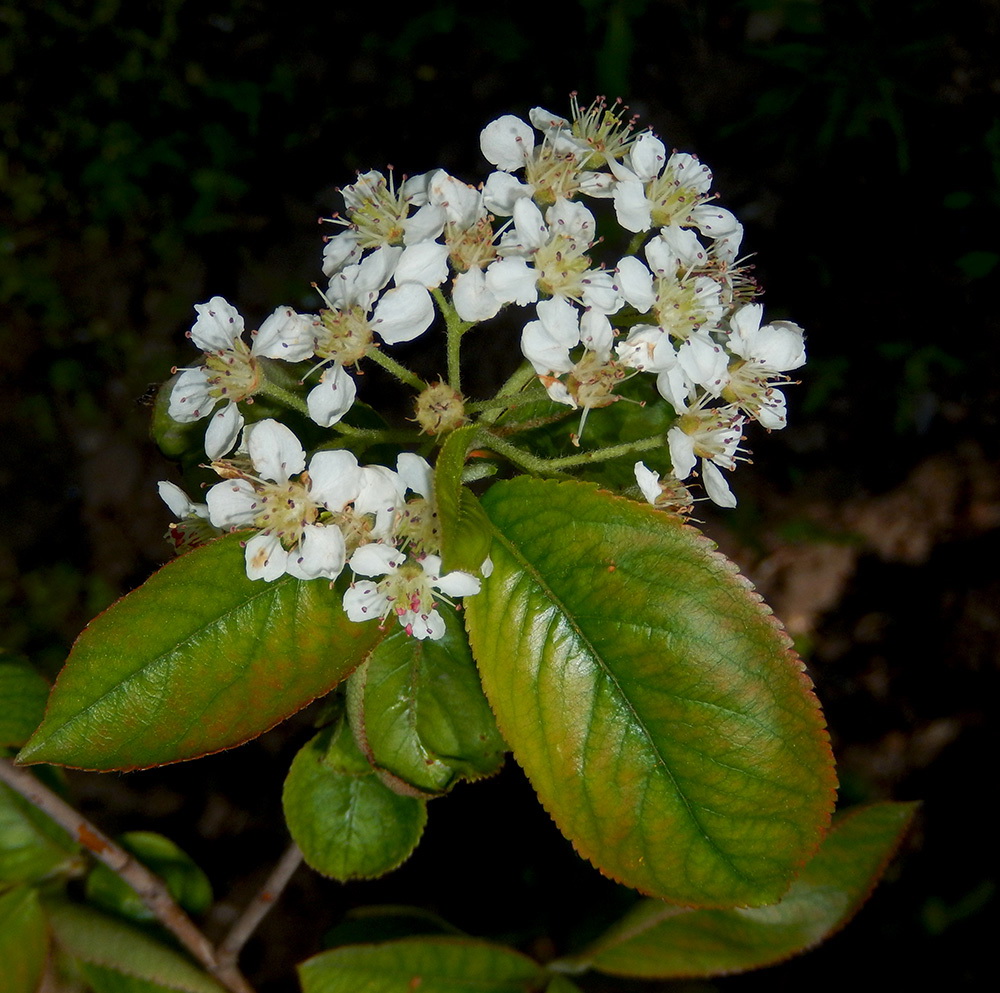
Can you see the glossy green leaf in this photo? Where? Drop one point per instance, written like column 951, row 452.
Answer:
column 348, row 824
column 418, row 710
column 659, row 941
column 23, row 693
column 24, row 941
column 188, row 885
column 430, row 965
column 197, row 659
column 92, row 937
column 653, row 701
column 465, row 530
column 32, row 845
column 103, row 980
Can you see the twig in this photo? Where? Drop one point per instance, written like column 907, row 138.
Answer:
column 256, row 910
column 149, row 887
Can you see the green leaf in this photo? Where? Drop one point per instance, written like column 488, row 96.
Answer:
column 188, row 885
column 93, row 938
column 655, row 940
column 347, row 823
column 32, row 845
column 197, row 659
column 465, row 530
column 430, row 965
column 561, row 984
column 418, row 710
column 23, row 693
column 24, row 940
column 103, row 980
column 651, row 698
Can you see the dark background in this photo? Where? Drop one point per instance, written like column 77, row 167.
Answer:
column 156, row 154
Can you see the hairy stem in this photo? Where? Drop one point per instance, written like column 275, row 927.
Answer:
column 404, row 375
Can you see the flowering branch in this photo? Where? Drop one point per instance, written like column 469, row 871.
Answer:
column 148, row 887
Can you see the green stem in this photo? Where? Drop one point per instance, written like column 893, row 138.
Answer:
column 456, row 327
column 636, row 243
column 507, row 402
column 520, row 378
column 404, row 375
column 287, row 398
column 555, row 467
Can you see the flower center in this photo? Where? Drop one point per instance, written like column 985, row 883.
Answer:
column 602, row 129
column 592, row 381
column 379, row 213
column 284, row 509
column 344, row 335
column 561, row 264
column 552, row 174
column 671, row 202
column 472, row 247
column 419, row 526
column 684, row 305
column 232, row 372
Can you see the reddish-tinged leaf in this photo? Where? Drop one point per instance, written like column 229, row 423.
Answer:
column 655, row 940
column 197, row 659
column 652, row 699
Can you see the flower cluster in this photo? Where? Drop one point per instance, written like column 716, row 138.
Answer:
column 312, row 519
column 624, row 266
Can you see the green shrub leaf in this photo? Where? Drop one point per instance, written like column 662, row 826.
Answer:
column 418, row 709
column 430, row 965
column 187, row 884
column 658, row 941
column 465, row 530
column 651, row 698
column 32, row 845
column 197, row 659
column 23, row 693
column 96, row 939
column 24, row 940
column 347, row 823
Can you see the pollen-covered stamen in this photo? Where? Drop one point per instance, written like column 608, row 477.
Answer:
column 684, row 304
column 344, row 334
column 592, row 381
column 377, row 210
column 561, row 264
column 552, row 174
column 472, row 247
column 674, row 193
column 232, row 374
column 284, row 509
column 603, row 129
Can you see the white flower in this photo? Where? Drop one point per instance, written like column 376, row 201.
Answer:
column 193, row 527
column 231, row 372
column 713, row 436
column 549, row 256
column 295, row 536
column 333, row 397
column 765, row 353
column 407, row 589
column 654, row 191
